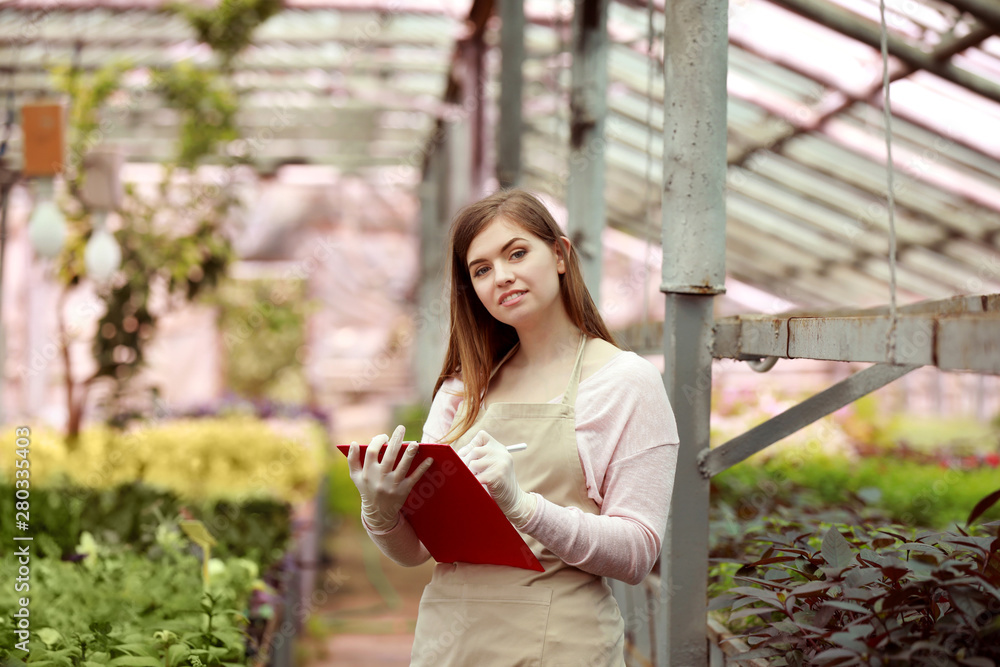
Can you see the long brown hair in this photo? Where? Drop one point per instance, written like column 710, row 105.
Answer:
column 477, row 341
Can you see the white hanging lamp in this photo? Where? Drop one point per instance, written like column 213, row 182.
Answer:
column 47, row 226
column 102, row 192
column 102, row 256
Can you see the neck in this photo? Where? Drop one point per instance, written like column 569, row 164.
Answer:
column 552, row 343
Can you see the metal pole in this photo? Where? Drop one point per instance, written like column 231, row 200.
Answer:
column 431, row 321
column 511, row 79
column 472, row 52
column 588, row 108
column 694, row 244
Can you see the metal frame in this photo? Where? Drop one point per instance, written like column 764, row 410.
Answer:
column 694, row 236
column 588, row 110
column 954, row 335
column 745, row 445
column 511, row 128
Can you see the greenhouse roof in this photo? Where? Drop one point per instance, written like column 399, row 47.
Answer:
column 361, row 85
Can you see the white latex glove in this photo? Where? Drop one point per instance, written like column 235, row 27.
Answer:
column 384, row 490
column 493, row 466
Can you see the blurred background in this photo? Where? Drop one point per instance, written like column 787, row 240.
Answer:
column 222, row 254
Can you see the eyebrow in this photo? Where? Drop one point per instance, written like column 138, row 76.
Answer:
column 502, row 250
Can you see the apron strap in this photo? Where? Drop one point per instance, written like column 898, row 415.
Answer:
column 569, row 396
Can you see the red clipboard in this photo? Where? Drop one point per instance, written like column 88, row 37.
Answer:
column 455, row 517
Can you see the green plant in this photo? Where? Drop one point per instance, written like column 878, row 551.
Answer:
column 173, row 238
column 263, row 327
column 234, row 458
column 343, row 500
column 859, row 595
column 910, row 492
column 412, row 416
column 229, row 26
column 136, row 515
column 207, row 104
column 119, row 608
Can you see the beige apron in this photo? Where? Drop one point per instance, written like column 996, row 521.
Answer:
column 491, row 615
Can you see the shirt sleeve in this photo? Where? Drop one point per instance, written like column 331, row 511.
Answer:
column 400, row 543
column 627, row 438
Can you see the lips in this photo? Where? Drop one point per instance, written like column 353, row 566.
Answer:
column 511, row 297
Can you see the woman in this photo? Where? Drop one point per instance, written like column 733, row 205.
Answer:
column 530, row 360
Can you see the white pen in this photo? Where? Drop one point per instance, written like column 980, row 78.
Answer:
column 519, row 447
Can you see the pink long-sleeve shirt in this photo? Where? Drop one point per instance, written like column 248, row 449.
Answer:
column 627, row 440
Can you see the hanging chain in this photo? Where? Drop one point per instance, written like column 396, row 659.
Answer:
column 890, row 195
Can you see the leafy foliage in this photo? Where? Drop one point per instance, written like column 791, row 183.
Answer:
column 911, row 492
column 171, row 239
column 119, row 608
column 174, row 241
column 207, row 105
column 136, row 515
column 263, row 325
column 858, row 595
column 228, row 27
column 232, row 458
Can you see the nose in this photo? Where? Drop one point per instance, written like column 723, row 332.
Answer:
column 502, row 274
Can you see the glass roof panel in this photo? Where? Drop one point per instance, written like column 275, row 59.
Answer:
column 781, row 35
column 361, row 83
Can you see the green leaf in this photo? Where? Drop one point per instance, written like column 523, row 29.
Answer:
column 860, row 630
column 721, row 602
column 834, row 654
column 758, row 593
column 136, row 661
column 811, row 588
column 862, row 576
column 177, row 653
column 925, row 548
column 135, row 648
column 846, row 641
column 835, row 550
column 967, row 601
column 747, row 612
column 849, row 606
column 49, row 636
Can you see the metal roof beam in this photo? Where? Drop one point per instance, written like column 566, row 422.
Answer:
column 961, row 334
column 984, row 11
column 355, row 6
column 873, row 97
column 849, row 24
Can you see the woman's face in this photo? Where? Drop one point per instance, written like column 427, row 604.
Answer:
column 515, row 273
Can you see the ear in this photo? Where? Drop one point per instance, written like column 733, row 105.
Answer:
column 562, row 248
